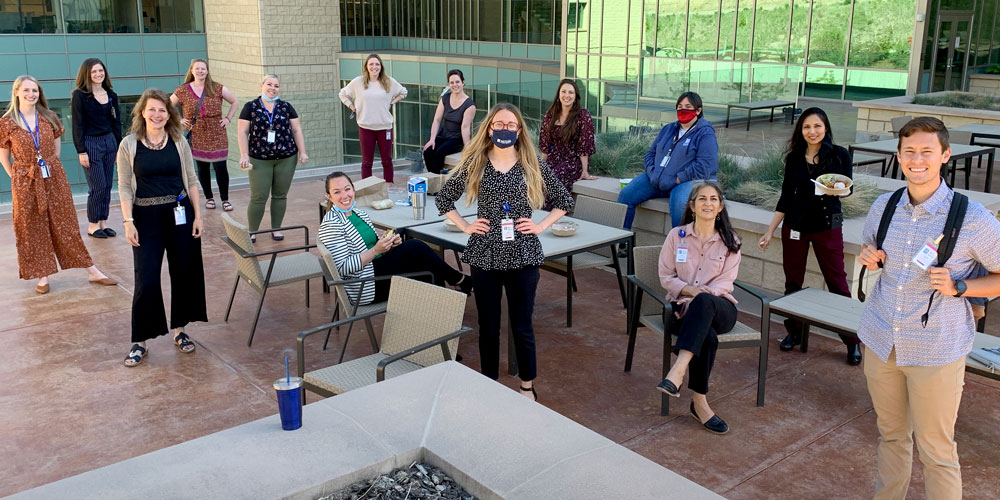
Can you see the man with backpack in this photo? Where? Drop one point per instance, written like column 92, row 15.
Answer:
column 918, row 326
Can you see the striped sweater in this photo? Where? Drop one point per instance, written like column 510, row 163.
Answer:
column 346, row 245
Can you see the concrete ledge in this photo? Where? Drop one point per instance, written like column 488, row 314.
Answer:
column 496, row 443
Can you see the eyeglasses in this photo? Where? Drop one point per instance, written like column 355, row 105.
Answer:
column 512, row 126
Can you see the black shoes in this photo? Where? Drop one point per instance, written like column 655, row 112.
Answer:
column 790, row 341
column 854, row 354
column 668, row 387
column 465, row 284
column 100, row 233
column 714, row 425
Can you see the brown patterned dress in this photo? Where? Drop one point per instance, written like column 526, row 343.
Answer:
column 45, row 223
column 209, row 141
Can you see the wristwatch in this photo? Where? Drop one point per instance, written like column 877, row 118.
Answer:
column 961, row 287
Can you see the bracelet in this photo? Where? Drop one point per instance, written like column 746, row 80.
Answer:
column 128, row 220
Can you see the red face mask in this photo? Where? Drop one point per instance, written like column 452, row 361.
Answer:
column 686, row 115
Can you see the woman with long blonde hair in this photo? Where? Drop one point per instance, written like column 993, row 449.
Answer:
column 159, row 195
column 200, row 99
column 372, row 103
column 501, row 170
column 46, row 229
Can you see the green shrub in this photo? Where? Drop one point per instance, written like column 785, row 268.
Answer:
column 619, row 154
column 993, row 70
column 960, row 100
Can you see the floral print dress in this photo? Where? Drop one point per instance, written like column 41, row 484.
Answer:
column 46, row 229
column 209, row 141
column 564, row 158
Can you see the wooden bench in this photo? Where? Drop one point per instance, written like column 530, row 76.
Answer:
column 756, row 106
column 841, row 314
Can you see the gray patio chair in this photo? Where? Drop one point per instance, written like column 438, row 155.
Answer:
column 657, row 315
column 273, row 271
column 898, row 122
column 965, row 138
column 598, row 211
column 419, row 317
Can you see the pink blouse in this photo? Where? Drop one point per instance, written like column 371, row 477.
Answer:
column 708, row 264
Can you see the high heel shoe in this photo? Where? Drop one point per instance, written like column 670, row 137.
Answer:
column 534, row 395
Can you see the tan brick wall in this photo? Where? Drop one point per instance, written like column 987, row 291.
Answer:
column 980, row 84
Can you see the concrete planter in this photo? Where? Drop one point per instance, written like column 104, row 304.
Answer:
column 875, row 116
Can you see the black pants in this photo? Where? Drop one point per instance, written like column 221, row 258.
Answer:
column 520, row 285
column 221, row 178
column 434, row 157
column 410, row 257
column 706, row 318
column 158, row 233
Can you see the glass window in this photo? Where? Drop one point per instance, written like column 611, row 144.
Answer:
column 540, row 22
column 744, row 29
column 770, row 81
column 593, row 25
column 770, row 28
column 800, row 27
column 671, row 21
column 101, row 16
column 29, row 16
column 827, row 40
column 664, row 78
column 557, row 23
column 505, row 20
column 703, row 29
column 824, row 82
column 863, row 85
column 614, row 30
column 632, row 69
column 727, row 30
column 408, row 123
column 172, row 16
column 635, row 31
column 519, row 21
column 612, row 68
column 987, row 18
column 489, row 28
column 880, row 34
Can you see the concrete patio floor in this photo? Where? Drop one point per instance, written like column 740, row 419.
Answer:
column 68, row 405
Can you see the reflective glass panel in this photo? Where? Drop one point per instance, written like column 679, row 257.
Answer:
column 744, row 29
column 824, row 82
column 863, row 85
column 800, row 27
column 29, row 16
column 880, row 36
column 671, row 22
column 519, row 21
column 540, row 21
column 703, row 29
column 727, row 29
column 101, row 16
column 489, row 28
column 770, row 30
column 828, row 38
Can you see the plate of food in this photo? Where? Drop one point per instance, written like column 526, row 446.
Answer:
column 382, row 204
column 564, row 228
column 833, row 185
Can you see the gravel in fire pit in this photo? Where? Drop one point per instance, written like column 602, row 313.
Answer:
column 418, row 481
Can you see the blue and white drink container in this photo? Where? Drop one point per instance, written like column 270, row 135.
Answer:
column 289, row 402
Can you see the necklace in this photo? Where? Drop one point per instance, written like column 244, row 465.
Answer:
column 155, row 145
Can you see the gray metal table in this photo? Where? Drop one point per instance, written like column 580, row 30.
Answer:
column 589, row 236
column 400, row 217
column 756, row 106
column 958, row 152
column 981, row 130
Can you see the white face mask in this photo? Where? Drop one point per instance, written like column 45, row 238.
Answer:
column 346, row 210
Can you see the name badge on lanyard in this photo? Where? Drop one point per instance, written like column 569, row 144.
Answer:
column 507, row 225
column 682, row 249
column 36, row 137
column 180, row 215
column 927, row 255
column 270, row 122
column 794, row 235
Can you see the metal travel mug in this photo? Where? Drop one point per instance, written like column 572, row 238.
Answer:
column 419, row 202
column 289, row 402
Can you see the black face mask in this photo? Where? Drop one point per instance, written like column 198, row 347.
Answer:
column 504, row 139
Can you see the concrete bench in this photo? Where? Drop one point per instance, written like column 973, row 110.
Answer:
column 841, row 314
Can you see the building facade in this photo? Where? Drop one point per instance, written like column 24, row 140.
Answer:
column 631, row 57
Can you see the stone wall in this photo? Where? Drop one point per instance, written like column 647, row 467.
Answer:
column 875, row 116
column 298, row 40
column 984, row 84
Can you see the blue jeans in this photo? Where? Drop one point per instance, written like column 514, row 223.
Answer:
column 640, row 190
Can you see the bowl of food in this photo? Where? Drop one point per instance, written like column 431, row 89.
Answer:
column 382, row 204
column 564, row 228
column 833, row 185
column 451, row 226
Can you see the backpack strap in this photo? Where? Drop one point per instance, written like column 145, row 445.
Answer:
column 952, row 226
column 883, row 228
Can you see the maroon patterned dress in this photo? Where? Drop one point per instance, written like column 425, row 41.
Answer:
column 564, row 158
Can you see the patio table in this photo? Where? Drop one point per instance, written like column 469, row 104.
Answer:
column 400, row 217
column 589, row 236
column 958, row 152
column 981, row 130
column 756, row 106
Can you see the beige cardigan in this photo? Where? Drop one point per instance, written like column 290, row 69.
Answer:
column 372, row 104
column 126, row 175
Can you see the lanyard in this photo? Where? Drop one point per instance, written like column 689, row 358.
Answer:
column 36, row 134
column 270, row 115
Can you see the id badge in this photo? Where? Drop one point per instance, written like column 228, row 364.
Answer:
column 44, row 168
column 794, row 235
column 507, row 229
column 388, row 135
column 270, row 137
column 682, row 254
column 927, row 255
column 663, row 162
column 180, row 217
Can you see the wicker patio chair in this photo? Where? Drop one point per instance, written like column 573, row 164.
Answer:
column 270, row 272
column 657, row 315
column 419, row 317
column 598, row 211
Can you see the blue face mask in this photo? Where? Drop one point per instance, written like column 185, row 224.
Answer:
column 504, row 139
column 266, row 98
column 345, row 211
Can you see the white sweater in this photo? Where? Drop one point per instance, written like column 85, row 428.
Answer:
column 372, row 104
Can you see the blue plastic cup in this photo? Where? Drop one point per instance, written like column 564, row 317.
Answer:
column 289, row 402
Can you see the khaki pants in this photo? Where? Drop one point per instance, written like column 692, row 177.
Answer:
column 920, row 400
